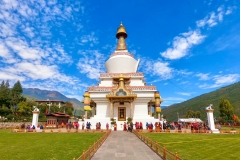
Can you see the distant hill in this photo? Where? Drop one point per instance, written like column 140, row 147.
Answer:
column 38, row 94
column 199, row 103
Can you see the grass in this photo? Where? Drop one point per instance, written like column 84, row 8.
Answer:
column 44, row 146
column 230, row 128
column 200, row 146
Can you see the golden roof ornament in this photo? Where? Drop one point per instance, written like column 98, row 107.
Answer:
column 121, row 35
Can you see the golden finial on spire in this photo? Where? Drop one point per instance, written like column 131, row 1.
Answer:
column 121, row 35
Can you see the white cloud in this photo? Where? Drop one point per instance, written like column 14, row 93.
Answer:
column 92, row 63
column 221, row 80
column 3, row 50
column 214, row 18
column 10, row 76
column 203, row 76
column 181, row 44
column 89, row 38
column 158, row 68
column 230, row 10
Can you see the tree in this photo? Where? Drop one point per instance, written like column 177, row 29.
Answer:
column 193, row 114
column 4, row 94
column 16, row 94
column 68, row 108
column 25, row 108
column 226, row 109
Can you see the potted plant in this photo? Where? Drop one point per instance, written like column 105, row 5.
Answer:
column 129, row 120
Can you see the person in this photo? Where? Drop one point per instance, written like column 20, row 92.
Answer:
column 89, row 123
column 141, row 126
column 62, row 124
column 70, row 125
column 150, row 126
column 33, row 127
column 83, row 125
column 41, row 126
column 219, row 126
column 128, row 127
column 147, row 125
column 157, row 129
column 107, row 126
column 115, row 126
column 66, row 125
column 137, row 125
column 99, row 125
column 131, row 126
column 77, row 125
column 124, row 126
column 164, row 126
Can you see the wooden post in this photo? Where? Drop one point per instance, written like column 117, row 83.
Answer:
column 176, row 156
column 157, row 147
column 164, row 153
column 84, row 156
column 94, row 147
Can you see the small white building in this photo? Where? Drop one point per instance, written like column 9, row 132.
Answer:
column 51, row 102
column 122, row 92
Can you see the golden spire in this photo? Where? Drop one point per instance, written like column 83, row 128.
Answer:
column 121, row 35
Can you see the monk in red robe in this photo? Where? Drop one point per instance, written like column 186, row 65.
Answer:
column 125, row 126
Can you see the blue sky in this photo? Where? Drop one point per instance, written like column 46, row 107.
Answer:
column 186, row 48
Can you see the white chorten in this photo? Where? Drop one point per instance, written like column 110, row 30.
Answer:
column 122, row 92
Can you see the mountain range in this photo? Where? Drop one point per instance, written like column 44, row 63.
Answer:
column 199, row 103
column 38, row 94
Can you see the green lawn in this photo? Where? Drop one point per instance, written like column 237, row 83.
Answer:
column 200, row 146
column 230, row 128
column 46, row 146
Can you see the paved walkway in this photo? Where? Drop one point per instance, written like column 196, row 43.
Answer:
column 124, row 145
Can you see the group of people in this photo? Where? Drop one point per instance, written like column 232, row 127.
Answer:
column 29, row 127
column 128, row 126
column 70, row 125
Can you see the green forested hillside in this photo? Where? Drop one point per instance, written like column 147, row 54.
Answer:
column 199, row 103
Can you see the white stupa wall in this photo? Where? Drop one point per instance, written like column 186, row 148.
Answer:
column 136, row 82
column 103, row 109
column 140, row 110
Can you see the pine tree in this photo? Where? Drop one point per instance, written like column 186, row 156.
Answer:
column 16, row 94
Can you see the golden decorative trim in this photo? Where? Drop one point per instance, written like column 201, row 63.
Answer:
column 121, row 53
column 133, row 88
column 133, row 74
